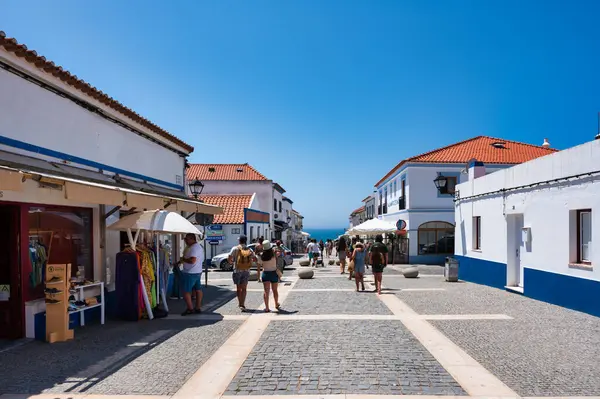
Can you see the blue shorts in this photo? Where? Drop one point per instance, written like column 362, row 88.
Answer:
column 191, row 282
column 310, row 255
column 270, row 277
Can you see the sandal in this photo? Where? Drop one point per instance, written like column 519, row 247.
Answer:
column 242, row 308
column 187, row 312
column 267, row 310
column 197, row 311
column 277, row 306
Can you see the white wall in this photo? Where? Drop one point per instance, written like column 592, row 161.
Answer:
column 547, row 209
column 39, row 117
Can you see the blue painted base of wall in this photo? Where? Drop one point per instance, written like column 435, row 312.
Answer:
column 427, row 259
column 567, row 291
column 481, row 271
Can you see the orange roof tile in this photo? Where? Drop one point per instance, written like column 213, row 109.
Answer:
column 358, row 210
column 480, row 148
column 40, row 62
column 204, row 171
column 233, row 207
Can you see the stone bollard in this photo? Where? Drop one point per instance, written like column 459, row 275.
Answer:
column 337, row 262
column 411, row 272
column 306, row 274
column 305, row 262
column 331, row 262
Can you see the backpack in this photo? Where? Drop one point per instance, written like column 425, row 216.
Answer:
column 244, row 258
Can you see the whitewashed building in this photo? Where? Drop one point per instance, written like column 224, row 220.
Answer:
column 357, row 217
column 298, row 238
column 370, row 204
column 407, row 192
column 287, row 235
column 72, row 159
column 531, row 228
column 227, row 179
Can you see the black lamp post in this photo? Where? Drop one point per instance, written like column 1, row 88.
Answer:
column 196, row 187
column 441, row 183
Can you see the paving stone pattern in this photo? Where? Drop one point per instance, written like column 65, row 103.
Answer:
column 337, row 357
column 335, row 302
column 148, row 357
column 340, row 282
column 536, row 356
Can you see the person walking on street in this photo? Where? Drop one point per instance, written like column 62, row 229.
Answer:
column 269, row 275
column 191, row 274
column 241, row 256
column 378, row 260
column 358, row 257
column 315, row 252
column 341, row 251
column 322, row 247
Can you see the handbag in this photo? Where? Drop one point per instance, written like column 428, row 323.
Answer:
column 351, row 266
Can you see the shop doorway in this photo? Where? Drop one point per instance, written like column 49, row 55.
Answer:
column 514, row 269
column 11, row 315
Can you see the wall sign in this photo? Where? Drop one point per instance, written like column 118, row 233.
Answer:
column 401, row 224
column 214, row 232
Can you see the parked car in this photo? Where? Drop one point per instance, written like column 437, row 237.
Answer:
column 287, row 256
column 221, row 261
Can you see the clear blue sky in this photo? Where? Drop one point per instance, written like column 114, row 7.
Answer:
column 326, row 96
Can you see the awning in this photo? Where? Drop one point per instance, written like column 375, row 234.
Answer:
column 11, row 180
column 78, row 190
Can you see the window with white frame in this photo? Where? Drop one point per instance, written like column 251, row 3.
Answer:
column 476, row 232
column 395, row 188
column 584, row 236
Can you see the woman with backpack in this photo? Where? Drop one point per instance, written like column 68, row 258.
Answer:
column 269, row 275
column 378, row 261
column 341, row 250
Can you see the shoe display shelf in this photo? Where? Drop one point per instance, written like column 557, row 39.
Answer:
column 56, row 291
column 80, row 296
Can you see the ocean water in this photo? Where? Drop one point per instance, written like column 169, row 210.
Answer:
column 324, row 234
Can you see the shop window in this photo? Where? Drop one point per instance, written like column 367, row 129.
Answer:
column 60, row 236
column 476, row 232
column 436, row 238
column 584, row 236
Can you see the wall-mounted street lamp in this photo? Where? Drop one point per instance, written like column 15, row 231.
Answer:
column 196, row 187
column 441, row 183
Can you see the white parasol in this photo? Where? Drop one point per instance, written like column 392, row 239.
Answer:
column 372, row 227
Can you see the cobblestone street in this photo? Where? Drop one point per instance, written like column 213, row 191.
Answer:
column 423, row 337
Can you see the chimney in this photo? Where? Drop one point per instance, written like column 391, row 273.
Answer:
column 546, row 144
column 476, row 169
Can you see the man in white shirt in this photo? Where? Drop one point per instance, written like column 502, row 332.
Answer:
column 192, row 259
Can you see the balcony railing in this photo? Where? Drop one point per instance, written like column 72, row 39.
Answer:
column 402, row 203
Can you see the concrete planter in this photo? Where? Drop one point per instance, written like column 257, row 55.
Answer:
column 306, row 274
column 411, row 272
column 304, row 263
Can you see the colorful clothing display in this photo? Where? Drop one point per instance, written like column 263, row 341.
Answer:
column 38, row 258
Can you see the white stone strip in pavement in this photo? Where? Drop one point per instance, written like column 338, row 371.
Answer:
column 472, row 376
column 390, row 317
column 214, row 376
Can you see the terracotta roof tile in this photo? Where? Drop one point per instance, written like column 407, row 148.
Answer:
column 358, row 210
column 481, row 148
column 228, row 172
column 40, row 62
column 233, row 207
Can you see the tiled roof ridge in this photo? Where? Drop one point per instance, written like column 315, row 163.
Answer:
column 40, row 62
column 473, row 139
column 416, row 157
column 357, row 210
column 232, row 164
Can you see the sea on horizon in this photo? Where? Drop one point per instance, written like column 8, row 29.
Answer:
column 324, row 234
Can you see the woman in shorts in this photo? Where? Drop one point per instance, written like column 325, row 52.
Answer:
column 269, row 276
column 358, row 256
column 341, row 250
